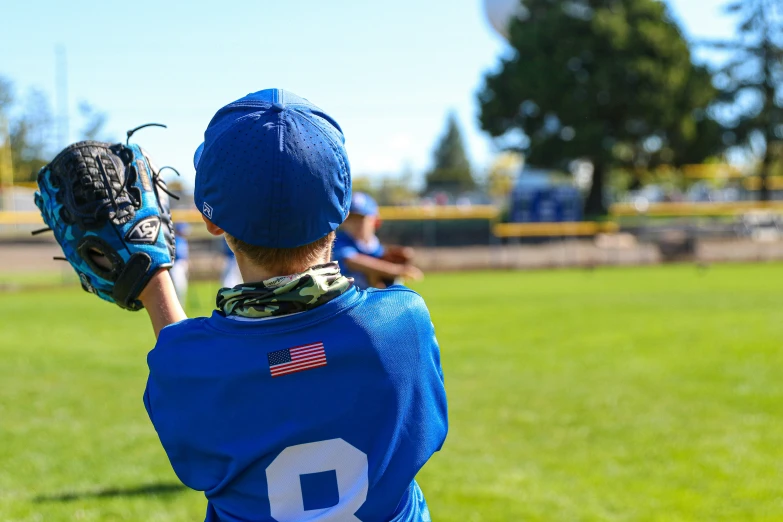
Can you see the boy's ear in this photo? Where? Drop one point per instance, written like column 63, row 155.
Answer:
column 211, row 227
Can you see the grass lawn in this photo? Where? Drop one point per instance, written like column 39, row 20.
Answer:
column 619, row 394
column 13, row 281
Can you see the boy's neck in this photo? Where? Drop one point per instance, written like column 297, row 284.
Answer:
column 253, row 273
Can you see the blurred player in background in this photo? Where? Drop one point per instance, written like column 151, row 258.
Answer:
column 360, row 253
column 179, row 270
column 231, row 276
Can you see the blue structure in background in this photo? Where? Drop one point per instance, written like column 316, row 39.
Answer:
column 538, row 198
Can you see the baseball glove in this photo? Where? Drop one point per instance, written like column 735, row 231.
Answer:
column 109, row 211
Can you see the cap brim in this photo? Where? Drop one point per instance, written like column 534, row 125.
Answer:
column 197, row 156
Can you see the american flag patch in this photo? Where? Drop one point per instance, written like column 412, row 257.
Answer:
column 300, row 358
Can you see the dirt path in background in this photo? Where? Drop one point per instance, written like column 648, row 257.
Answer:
column 27, row 257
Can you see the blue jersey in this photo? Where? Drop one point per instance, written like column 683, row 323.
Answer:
column 345, row 247
column 181, row 248
column 324, row 415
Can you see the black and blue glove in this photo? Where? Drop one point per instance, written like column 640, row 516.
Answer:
column 109, row 211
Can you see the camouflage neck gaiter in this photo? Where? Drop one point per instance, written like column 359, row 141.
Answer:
column 285, row 294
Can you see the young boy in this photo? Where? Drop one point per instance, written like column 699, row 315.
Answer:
column 360, row 253
column 302, row 398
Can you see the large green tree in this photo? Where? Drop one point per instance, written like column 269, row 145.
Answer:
column 6, row 95
column 751, row 81
column 609, row 81
column 31, row 137
column 28, row 127
column 94, row 122
column 451, row 170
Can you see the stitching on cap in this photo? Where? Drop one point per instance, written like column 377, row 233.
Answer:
column 281, row 124
column 346, row 174
column 335, row 147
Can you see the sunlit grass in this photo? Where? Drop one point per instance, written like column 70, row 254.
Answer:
column 616, row 394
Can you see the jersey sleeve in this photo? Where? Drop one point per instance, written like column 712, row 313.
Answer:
column 175, row 407
column 343, row 249
column 413, row 336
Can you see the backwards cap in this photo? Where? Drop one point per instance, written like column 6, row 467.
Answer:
column 273, row 171
column 363, row 204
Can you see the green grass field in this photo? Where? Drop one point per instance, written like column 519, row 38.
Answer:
column 617, row 394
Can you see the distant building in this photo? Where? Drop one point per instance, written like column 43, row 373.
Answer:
column 541, row 196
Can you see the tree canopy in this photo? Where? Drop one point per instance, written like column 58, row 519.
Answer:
column 609, row 81
column 30, row 126
column 751, row 81
column 451, row 170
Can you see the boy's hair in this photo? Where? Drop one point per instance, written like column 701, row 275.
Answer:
column 277, row 259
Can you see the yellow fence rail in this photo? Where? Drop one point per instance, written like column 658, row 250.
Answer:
column 439, row 212
column 20, row 218
column 490, row 213
column 193, row 216
column 394, row 213
column 694, row 209
column 577, row 228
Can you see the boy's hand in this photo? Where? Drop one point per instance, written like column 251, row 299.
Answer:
column 398, row 254
column 411, row 272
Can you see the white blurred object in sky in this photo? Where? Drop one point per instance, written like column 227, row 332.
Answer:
column 500, row 12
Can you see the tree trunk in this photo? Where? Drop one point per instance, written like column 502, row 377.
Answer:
column 768, row 107
column 766, row 166
column 595, row 208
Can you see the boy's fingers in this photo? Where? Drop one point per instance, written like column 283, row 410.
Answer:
column 414, row 273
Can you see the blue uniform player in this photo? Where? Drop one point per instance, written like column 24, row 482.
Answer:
column 302, row 397
column 230, row 275
column 179, row 270
column 360, row 253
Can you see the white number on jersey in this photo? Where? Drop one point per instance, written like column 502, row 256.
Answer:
column 286, row 500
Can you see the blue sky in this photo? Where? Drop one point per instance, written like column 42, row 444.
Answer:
column 389, row 72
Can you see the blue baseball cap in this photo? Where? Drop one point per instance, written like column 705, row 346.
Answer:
column 363, row 204
column 273, row 171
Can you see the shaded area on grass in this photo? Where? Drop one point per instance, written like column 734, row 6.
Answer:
column 135, row 491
